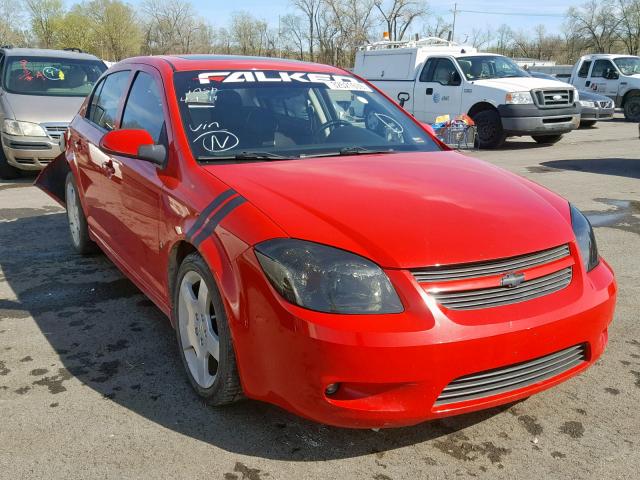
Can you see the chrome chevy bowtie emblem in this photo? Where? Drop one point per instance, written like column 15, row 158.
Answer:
column 511, row 280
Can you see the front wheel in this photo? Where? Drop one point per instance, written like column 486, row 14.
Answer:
column 204, row 337
column 587, row 123
column 547, row 139
column 489, row 128
column 632, row 109
column 77, row 221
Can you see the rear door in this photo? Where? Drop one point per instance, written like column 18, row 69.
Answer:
column 438, row 90
column 137, row 182
column 93, row 166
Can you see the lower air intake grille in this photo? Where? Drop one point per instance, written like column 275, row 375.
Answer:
column 495, row 296
column 512, row 377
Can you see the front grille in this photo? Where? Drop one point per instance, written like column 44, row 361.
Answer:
column 55, row 131
column 495, row 296
column 512, row 377
column 29, row 146
column 493, row 267
column 553, row 98
column 606, row 104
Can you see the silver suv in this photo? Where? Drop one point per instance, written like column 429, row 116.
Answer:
column 40, row 92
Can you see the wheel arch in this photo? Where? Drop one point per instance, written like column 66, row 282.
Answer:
column 481, row 107
column 634, row 92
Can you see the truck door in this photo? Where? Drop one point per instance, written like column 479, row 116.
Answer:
column 604, row 79
column 581, row 81
column 438, row 90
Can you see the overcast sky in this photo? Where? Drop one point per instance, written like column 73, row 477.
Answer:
column 530, row 14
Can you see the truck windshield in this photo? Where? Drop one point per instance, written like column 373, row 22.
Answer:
column 60, row 77
column 489, row 66
column 628, row 65
column 272, row 115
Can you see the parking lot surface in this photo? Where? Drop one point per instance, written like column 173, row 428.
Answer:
column 91, row 385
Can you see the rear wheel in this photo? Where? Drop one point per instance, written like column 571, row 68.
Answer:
column 77, row 221
column 204, row 337
column 489, row 127
column 547, row 139
column 632, row 109
column 7, row 172
column 587, row 123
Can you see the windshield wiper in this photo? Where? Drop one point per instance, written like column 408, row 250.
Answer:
column 245, row 156
column 346, row 151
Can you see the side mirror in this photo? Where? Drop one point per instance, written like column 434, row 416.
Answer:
column 403, row 97
column 133, row 143
column 454, row 79
column 611, row 74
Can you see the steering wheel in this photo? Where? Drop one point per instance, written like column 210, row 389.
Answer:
column 331, row 123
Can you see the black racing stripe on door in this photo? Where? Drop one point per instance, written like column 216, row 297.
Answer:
column 217, row 218
column 202, row 218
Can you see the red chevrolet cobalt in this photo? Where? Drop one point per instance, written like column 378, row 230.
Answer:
column 316, row 248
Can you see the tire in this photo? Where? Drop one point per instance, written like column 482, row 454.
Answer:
column 547, row 139
column 489, row 127
column 78, row 229
column 632, row 109
column 587, row 123
column 200, row 323
column 7, row 172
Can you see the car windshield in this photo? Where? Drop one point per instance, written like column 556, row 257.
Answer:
column 484, row 67
column 59, row 77
column 628, row 65
column 272, row 115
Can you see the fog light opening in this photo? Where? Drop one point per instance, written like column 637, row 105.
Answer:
column 331, row 389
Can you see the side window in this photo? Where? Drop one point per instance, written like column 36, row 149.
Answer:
column 144, row 108
column 599, row 67
column 106, row 98
column 427, row 72
column 584, row 69
column 445, row 73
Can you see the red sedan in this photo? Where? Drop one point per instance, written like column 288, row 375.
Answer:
column 315, row 247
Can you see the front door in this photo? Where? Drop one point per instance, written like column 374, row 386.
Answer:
column 438, row 90
column 601, row 81
column 138, row 184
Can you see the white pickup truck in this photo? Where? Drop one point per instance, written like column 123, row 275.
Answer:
column 432, row 77
column 616, row 76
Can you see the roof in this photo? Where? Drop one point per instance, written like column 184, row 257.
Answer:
column 607, row 55
column 46, row 52
column 234, row 62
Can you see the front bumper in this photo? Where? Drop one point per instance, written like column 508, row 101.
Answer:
column 520, row 120
column 30, row 153
column 392, row 368
column 591, row 114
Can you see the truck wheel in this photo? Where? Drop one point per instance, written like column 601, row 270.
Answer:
column 489, row 125
column 587, row 123
column 632, row 109
column 77, row 221
column 203, row 334
column 7, row 172
column 547, row 139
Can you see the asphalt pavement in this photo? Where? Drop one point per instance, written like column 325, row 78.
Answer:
column 91, row 385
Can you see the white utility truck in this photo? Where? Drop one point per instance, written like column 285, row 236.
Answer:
column 431, row 77
column 616, row 76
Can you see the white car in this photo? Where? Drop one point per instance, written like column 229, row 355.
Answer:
column 615, row 76
column 433, row 77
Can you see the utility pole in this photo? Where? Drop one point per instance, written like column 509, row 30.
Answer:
column 453, row 28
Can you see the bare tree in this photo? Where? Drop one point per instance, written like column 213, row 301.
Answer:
column 400, row 15
column 481, row 38
column 630, row 25
column 310, row 9
column 293, row 34
column 438, row 27
column 596, row 22
column 173, row 27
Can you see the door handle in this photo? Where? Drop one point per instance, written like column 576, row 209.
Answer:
column 108, row 168
column 429, row 91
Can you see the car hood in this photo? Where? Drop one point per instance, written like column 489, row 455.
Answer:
column 592, row 97
column 42, row 108
column 521, row 84
column 405, row 210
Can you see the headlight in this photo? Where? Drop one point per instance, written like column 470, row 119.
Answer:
column 576, row 96
column 519, row 98
column 585, row 238
column 27, row 129
column 587, row 103
column 326, row 279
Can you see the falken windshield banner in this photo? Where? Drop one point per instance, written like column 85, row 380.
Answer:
column 333, row 82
